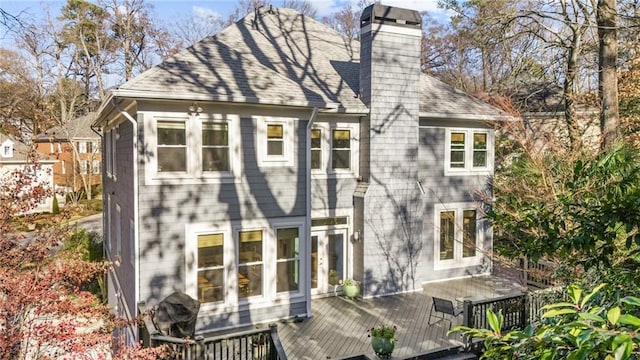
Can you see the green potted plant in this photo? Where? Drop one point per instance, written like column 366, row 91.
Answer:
column 383, row 339
column 350, row 288
column 333, row 277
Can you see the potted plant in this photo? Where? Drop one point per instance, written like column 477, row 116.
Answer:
column 333, row 277
column 383, row 339
column 350, row 288
column 259, row 348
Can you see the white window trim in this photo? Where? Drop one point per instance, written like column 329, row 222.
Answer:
column 469, row 169
column 230, row 232
column 118, row 233
column 458, row 260
column 132, row 241
column 289, row 141
column 193, row 129
column 325, row 170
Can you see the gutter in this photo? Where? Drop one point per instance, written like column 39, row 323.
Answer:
column 136, row 263
column 307, row 150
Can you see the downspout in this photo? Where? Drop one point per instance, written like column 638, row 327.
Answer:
column 307, row 149
column 136, row 226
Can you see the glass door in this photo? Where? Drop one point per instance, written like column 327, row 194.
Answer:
column 328, row 260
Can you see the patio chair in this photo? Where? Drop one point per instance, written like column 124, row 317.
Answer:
column 443, row 310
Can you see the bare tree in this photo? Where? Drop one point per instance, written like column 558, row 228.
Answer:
column 608, row 81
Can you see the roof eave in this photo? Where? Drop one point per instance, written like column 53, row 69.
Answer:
column 476, row 117
column 159, row 95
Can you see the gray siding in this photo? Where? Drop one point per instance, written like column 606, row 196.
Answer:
column 165, row 210
column 440, row 189
column 121, row 191
column 390, row 82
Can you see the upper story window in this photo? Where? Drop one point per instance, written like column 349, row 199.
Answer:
column 192, row 148
column 82, row 147
column 275, row 141
column 215, row 147
column 459, row 237
column 172, row 146
column 340, row 149
column 7, row 149
column 334, row 149
column 468, row 151
column 316, row 148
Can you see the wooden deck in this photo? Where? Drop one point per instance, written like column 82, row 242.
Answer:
column 338, row 327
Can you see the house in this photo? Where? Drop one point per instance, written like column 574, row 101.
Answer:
column 256, row 169
column 17, row 157
column 77, row 149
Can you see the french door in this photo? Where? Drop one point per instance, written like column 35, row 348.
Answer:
column 328, row 259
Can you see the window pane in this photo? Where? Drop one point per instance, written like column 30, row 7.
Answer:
column 249, row 280
column 479, row 141
column 171, row 133
column 336, row 259
column 480, row 158
column 316, row 159
column 457, row 140
column 274, row 131
column 172, row 159
column 288, row 274
column 447, row 233
column 215, row 159
column 275, row 147
column 316, row 135
column 214, row 134
column 314, row 261
column 288, row 245
column 469, row 233
column 341, row 139
column 340, row 159
column 457, row 159
column 250, row 247
column 210, row 250
column 211, row 285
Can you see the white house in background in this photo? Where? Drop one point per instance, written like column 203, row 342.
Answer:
column 17, row 156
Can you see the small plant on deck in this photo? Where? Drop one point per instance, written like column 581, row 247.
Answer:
column 384, row 331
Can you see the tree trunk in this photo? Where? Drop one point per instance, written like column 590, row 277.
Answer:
column 575, row 138
column 608, row 81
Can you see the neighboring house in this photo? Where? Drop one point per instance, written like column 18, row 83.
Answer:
column 78, row 149
column 542, row 108
column 252, row 168
column 17, row 156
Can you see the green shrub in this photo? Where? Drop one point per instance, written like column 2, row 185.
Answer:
column 55, row 208
column 591, row 325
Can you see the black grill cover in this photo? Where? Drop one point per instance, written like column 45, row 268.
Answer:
column 177, row 314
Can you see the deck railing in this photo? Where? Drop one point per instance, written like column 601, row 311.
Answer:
column 538, row 273
column 518, row 310
column 248, row 345
column 259, row 344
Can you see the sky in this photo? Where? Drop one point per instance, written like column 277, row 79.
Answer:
column 168, row 10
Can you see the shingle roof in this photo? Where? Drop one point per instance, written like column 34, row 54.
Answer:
column 78, row 128
column 284, row 58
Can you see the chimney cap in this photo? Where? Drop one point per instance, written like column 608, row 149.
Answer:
column 388, row 15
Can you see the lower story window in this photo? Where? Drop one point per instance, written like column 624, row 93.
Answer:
column 250, row 263
column 288, row 271
column 211, row 272
column 458, row 238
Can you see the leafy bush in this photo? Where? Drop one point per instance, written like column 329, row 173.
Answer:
column 55, row 208
column 590, row 326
